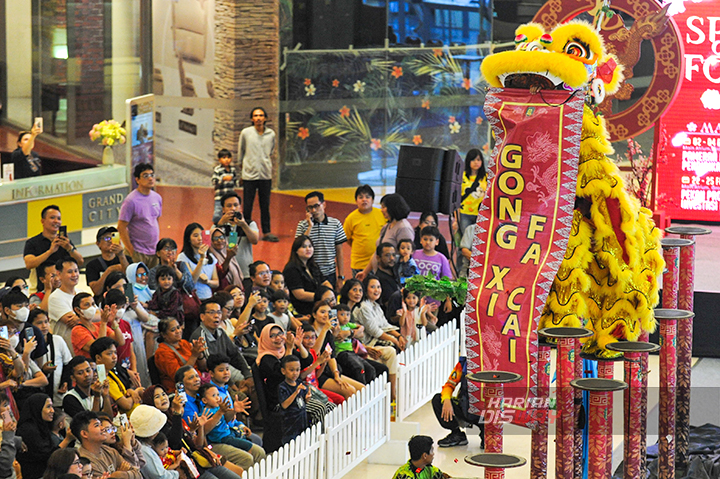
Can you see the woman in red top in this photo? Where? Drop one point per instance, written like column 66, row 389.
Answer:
column 174, row 352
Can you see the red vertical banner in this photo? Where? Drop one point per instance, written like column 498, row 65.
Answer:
column 521, row 234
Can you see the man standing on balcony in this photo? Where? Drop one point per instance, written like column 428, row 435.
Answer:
column 255, row 148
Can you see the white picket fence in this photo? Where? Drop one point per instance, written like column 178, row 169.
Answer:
column 425, row 367
column 357, row 428
column 353, row 431
column 304, row 456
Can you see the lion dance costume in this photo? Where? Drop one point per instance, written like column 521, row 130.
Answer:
column 607, row 281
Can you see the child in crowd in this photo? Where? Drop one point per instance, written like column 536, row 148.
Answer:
column 167, row 301
column 292, row 395
column 224, row 180
column 416, row 315
column 259, row 315
column 280, row 313
column 352, row 364
column 406, row 267
column 224, row 431
column 277, row 282
column 309, row 337
column 430, row 261
column 169, row 459
column 219, row 367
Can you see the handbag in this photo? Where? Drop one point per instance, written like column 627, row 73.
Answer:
column 359, row 348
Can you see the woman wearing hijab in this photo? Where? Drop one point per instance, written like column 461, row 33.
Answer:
column 228, row 268
column 36, row 415
column 144, row 326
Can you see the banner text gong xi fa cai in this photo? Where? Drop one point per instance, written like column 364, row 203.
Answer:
column 689, row 181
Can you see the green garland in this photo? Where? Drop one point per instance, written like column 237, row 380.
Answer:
column 438, row 289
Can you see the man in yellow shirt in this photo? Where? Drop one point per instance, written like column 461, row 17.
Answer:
column 362, row 228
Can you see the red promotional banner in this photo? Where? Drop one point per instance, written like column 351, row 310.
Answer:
column 688, row 164
column 521, row 234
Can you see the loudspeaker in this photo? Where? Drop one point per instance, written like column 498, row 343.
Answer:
column 419, row 176
column 451, row 185
column 430, row 179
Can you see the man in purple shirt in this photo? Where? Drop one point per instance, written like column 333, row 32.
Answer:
column 139, row 213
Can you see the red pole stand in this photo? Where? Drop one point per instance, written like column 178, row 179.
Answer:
column 671, row 275
column 578, row 463
column 634, row 420
column 670, row 321
column 686, row 302
column 606, row 370
column 565, row 435
column 643, row 373
column 600, row 393
column 539, row 450
column 493, row 460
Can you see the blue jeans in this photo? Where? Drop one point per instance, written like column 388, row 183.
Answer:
column 218, row 472
column 236, row 441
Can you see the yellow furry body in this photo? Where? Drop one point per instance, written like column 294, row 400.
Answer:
column 608, row 287
column 595, row 287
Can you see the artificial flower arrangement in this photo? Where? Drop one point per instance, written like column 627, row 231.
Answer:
column 110, row 131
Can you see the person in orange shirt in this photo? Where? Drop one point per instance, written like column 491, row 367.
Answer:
column 452, row 411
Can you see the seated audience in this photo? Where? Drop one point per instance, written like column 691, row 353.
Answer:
column 122, row 439
column 111, row 259
column 116, row 299
column 292, row 395
column 202, row 265
column 167, row 253
column 53, row 362
column 60, row 305
column 48, row 277
column 89, row 394
column 167, row 301
column 260, row 275
column 87, row 428
column 194, row 408
column 174, row 352
column 331, row 378
column 302, row 275
column 147, row 422
column 122, row 390
column 63, row 461
column 94, row 323
column 218, row 342
column 228, row 268
column 179, row 436
column 36, row 415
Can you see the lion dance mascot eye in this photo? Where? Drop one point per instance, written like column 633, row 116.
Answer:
column 607, row 281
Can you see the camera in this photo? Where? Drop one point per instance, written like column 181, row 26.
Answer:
column 237, row 215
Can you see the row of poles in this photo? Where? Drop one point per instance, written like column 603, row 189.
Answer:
column 676, row 328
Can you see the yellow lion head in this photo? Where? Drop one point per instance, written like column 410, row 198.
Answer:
column 570, row 57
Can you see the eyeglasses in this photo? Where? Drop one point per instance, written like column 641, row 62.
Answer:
column 170, row 249
column 275, row 335
column 142, row 275
column 110, row 430
column 262, row 273
column 313, row 207
column 106, row 238
column 213, row 312
column 76, row 463
column 145, row 176
column 219, row 238
column 229, row 310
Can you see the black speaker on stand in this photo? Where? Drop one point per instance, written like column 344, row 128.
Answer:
column 429, row 179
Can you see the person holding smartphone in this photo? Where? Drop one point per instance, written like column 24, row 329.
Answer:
column 27, row 162
column 233, row 221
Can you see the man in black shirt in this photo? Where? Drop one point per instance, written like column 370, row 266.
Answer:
column 89, row 394
column 48, row 246
column 111, row 259
column 386, row 272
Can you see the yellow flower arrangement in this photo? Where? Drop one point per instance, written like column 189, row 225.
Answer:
column 110, row 131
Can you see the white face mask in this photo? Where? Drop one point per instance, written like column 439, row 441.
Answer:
column 90, row 313
column 21, row 314
column 14, row 340
column 120, row 312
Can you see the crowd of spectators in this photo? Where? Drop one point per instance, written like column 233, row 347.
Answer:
column 171, row 350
